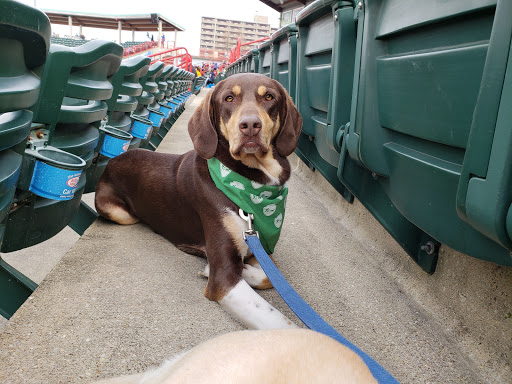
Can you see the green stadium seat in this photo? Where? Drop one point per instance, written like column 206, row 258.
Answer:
column 69, row 111
column 149, row 98
column 265, row 58
column 325, row 59
column 427, row 149
column 25, row 43
column 253, row 60
column 284, row 58
column 126, row 86
column 163, row 86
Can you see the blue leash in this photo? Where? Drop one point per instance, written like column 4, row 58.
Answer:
column 303, row 311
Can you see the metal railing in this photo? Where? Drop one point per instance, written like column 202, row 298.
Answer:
column 179, row 57
column 237, row 51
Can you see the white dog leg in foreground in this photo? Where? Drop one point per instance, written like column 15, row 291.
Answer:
column 243, row 303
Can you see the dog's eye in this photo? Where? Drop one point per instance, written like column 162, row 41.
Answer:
column 229, row 99
column 269, row 97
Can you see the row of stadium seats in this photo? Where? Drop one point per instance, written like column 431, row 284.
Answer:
column 127, row 44
column 68, row 42
column 64, row 113
column 408, row 110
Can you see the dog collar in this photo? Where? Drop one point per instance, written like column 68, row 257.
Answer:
column 266, row 202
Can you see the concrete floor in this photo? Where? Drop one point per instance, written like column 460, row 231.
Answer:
column 123, row 299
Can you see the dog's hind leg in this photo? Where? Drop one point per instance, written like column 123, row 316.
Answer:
column 254, row 276
column 112, row 207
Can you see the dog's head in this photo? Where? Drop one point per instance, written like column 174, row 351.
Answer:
column 252, row 113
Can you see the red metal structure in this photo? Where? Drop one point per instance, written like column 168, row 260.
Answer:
column 179, row 57
column 237, row 51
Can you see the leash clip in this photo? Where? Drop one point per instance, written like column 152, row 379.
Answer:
column 249, row 217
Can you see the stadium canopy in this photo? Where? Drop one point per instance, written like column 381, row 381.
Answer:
column 150, row 22
column 147, row 22
column 284, row 5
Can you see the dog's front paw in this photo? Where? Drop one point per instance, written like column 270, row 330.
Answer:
column 255, row 277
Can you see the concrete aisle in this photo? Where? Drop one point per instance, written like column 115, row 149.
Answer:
column 124, row 299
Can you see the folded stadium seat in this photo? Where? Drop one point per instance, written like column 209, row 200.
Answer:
column 428, row 148
column 147, row 107
column 126, row 86
column 26, row 37
column 265, row 58
column 163, row 86
column 253, row 60
column 325, row 58
column 284, row 58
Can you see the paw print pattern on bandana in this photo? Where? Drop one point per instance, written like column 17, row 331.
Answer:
column 265, row 194
column 224, row 171
column 256, row 199
column 256, row 185
column 278, row 220
column 237, row 185
column 269, row 210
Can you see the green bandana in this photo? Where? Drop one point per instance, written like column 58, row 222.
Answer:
column 266, row 202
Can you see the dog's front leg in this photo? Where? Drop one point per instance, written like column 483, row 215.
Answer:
column 243, row 303
column 227, row 287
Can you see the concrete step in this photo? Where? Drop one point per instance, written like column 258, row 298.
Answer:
column 123, row 298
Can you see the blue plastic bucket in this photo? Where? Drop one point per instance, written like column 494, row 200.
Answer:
column 56, row 173
column 166, row 110
column 156, row 117
column 141, row 127
column 115, row 141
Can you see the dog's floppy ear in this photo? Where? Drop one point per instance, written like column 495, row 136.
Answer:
column 201, row 128
column 289, row 134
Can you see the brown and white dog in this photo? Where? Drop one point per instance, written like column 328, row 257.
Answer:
column 297, row 356
column 251, row 125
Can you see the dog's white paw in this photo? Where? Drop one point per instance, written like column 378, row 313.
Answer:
column 206, row 271
column 255, row 277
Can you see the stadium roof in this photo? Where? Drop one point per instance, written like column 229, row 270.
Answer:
column 147, row 22
column 284, row 5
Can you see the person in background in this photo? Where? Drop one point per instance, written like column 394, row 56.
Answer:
column 163, row 40
column 210, row 79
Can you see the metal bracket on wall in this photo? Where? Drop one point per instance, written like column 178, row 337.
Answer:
column 15, row 288
column 83, row 219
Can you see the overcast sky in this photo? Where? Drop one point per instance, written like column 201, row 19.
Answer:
column 186, row 13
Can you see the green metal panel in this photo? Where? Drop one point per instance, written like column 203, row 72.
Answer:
column 15, row 288
column 325, row 56
column 418, row 79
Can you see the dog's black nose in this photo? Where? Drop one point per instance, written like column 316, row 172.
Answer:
column 250, row 125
